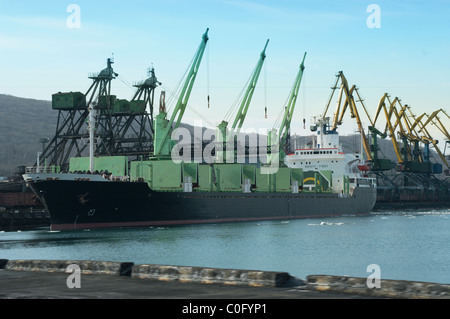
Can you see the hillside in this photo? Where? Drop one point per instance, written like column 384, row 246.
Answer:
column 22, row 123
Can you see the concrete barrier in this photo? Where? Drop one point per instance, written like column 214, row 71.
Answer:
column 86, row 266
column 339, row 284
column 211, row 275
column 156, row 272
column 388, row 288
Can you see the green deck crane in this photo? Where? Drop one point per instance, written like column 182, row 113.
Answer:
column 222, row 133
column 162, row 141
column 287, row 118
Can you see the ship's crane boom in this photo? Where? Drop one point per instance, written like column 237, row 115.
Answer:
column 222, row 133
column 281, row 141
column 162, row 131
column 245, row 103
column 290, row 107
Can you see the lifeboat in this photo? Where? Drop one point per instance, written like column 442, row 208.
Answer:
column 363, row 168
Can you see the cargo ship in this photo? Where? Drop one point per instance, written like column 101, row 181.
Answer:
column 164, row 193
column 164, row 190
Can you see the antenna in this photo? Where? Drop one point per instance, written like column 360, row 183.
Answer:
column 150, row 70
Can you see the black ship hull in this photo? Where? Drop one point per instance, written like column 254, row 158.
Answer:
column 89, row 204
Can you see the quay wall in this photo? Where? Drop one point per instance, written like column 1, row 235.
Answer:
column 325, row 283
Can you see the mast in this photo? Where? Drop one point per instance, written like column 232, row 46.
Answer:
column 91, row 139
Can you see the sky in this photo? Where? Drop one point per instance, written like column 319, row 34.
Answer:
column 400, row 47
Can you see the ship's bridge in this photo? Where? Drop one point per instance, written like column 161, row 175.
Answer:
column 314, row 152
column 317, row 159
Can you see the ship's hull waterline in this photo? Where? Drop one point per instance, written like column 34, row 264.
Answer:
column 90, row 204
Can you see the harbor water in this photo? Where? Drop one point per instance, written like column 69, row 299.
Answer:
column 409, row 245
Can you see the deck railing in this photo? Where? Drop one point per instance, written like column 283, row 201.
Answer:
column 43, row 169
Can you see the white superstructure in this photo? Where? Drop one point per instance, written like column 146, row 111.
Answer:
column 325, row 154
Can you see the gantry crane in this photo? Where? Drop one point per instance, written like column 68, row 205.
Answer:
column 121, row 127
column 131, row 123
column 227, row 137
column 285, row 125
column 73, row 112
column 163, row 127
column 146, row 92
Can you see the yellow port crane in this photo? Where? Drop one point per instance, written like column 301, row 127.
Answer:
column 408, row 135
column 409, row 154
column 411, row 158
column 414, row 137
column 351, row 104
column 427, row 136
column 420, row 162
column 399, row 126
column 438, row 122
column 441, row 127
column 389, row 126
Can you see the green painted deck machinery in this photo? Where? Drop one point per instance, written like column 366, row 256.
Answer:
column 166, row 175
column 69, row 101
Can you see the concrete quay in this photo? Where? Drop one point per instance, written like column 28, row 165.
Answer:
column 50, row 279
